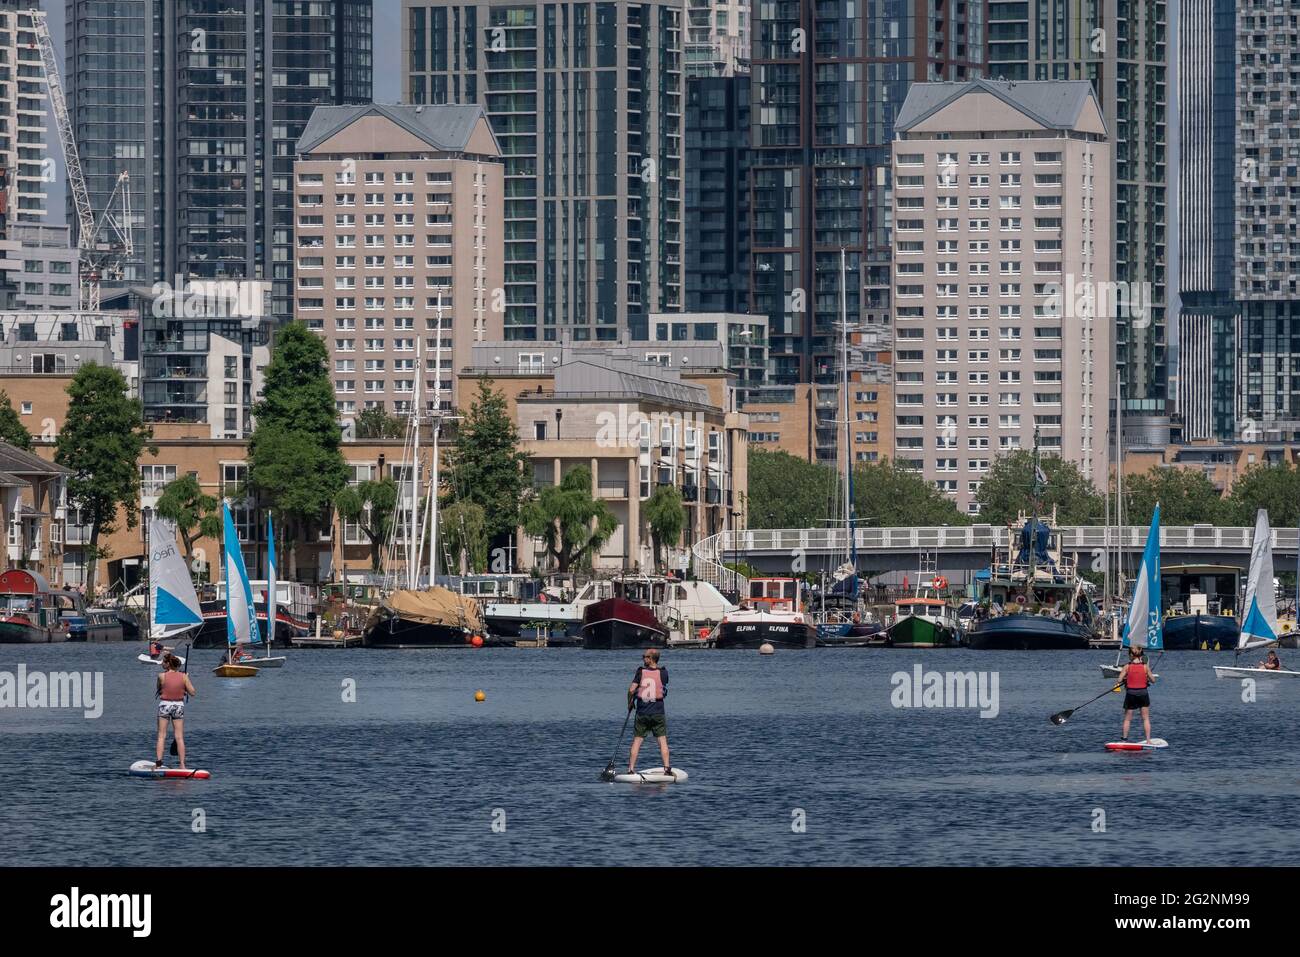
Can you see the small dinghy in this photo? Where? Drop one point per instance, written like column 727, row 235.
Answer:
column 235, row 671
column 156, row 661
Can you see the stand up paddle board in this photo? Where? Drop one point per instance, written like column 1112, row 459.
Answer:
column 154, row 661
column 145, row 769
column 652, row 776
column 1151, row 745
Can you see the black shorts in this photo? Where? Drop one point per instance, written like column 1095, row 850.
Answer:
column 650, row 724
column 1134, row 700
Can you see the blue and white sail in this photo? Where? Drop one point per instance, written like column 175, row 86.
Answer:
column 241, row 613
column 1259, row 622
column 271, row 583
column 173, row 603
column 1144, row 627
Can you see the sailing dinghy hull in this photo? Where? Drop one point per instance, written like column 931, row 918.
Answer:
column 1227, row 671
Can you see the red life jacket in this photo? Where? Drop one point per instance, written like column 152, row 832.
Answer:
column 173, row 686
column 1137, row 677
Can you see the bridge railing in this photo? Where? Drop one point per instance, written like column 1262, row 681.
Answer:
column 974, row 537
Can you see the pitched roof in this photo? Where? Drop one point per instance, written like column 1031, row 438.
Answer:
column 18, row 462
column 9, row 480
column 1055, row 104
column 444, row 127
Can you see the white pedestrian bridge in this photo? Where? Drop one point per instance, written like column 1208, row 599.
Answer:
column 965, row 548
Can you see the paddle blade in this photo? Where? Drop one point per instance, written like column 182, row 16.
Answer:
column 174, row 752
column 1061, row 717
column 608, row 773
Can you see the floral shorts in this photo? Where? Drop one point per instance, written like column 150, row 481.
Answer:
column 172, row 710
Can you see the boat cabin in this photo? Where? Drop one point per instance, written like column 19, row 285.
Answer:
column 775, row 594
column 26, row 595
column 1200, row 589
column 932, row 609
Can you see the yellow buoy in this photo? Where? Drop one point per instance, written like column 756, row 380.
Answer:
column 1216, row 647
column 479, row 696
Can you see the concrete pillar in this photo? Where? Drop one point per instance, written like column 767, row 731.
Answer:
column 632, row 534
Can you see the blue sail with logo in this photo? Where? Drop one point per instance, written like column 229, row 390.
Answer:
column 1143, row 629
column 241, row 613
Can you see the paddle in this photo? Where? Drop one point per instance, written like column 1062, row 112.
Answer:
column 1063, row 716
column 185, row 669
column 608, row 773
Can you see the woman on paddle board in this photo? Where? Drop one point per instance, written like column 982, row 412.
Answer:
column 1135, row 677
column 173, row 686
column 649, row 686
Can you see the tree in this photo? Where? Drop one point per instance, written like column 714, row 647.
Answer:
column 12, row 429
column 195, row 514
column 462, row 530
column 885, row 495
column 1273, row 487
column 371, row 504
column 666, row 518
column 1005, row 491
column 294, row 462
column 572, row 525
column 101, row 443
column 788, row 492
column 487, row 466
column 376, row 423
column 1186, row 497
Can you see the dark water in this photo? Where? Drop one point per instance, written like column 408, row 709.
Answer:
column 414, row 770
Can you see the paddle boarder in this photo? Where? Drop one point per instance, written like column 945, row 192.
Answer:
column 1135, row 677
column 646, row 694
column 1272, row 662
column 173, row 686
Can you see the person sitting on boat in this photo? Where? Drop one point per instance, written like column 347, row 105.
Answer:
column 173, row 686
column 1271, row 662
column 647, row 692
column 157, row 649
column 238, row 653
column 1136, row 678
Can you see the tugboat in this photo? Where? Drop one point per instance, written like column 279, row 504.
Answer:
column 773, row 614
column 29, row 612
column 923, row 621
column 1032, row 598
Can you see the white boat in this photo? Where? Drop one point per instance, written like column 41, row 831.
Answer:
column 174, row 610
column 1144, row 626
column 241, row 614
column 509, row 618
column 1230, row 671
column 156, row 661
column 1259, row 618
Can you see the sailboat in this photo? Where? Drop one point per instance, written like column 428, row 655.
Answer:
column 267, row 660
column 1144, row 626
column 241, row 614
column 1259, row 621
column 174, row 609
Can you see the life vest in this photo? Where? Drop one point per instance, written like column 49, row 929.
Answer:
column 652, row 685
column 1137, row 677
column 173, row 686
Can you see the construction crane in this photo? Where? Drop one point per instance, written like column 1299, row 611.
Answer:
column 105, row 244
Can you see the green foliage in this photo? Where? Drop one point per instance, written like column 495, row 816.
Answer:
column 487, row 467
column 377, row 423
column 294, row 462
column 12, row 429
column 1007, row 491
column 666, row 517
column 371, row 504
column 101, row 443
column 788, row 492
column 195, row 514
column 1274, row 487
column 885, row 495
column 563, row 517
column 1186, row 497
column 463, row 530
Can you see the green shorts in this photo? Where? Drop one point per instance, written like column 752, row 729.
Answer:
column 655, row 724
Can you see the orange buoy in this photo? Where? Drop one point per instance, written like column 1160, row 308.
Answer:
column 477, row 641
column 479, row 696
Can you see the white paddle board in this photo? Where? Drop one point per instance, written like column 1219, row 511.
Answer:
column 652, row 776
column 154, row 661
column 145, row 769
column 1151, row 745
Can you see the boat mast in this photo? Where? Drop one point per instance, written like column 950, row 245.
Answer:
column 1033, row 527
column 414, row 539
column 148, row 585
column 1119, row 484
column 851, row 551
column 437, row 429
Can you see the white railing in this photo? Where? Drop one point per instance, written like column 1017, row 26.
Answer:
column 977, row 537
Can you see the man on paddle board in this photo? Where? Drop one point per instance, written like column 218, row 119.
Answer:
column 649, row 686
column 1135, row 677
column 173, row 686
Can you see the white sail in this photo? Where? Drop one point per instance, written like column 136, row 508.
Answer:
column 241, row 619
column 173, row 603
column 1259, row 610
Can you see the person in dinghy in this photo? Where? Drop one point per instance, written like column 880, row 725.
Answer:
column 173, row 686
column 1136, row 678
column 1271, row 662
column 646, row 694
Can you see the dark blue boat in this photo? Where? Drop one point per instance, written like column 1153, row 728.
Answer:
column 1200, row 633
column 1027, row 632
column 1199, row 602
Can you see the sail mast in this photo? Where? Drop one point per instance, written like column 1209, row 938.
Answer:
column 851, row 551
column 413, row 542
column 436, row 426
